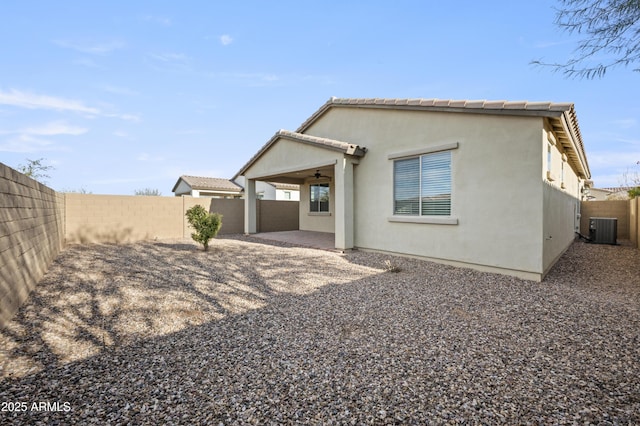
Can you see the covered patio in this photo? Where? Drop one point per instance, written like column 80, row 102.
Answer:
column 312, row 239
column 324, row 169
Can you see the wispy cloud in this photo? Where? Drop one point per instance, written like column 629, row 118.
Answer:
column 258, row 79
column 123, row 135
column 27, row 143
column 102, row 48
column 169, row 61
column 547, row 44
column 127, row 117
column 29, row 139
column 626, row 123
column 608, row 168
column 54, row 128
column 28, row 100
column 33, row 101
column 225, row 39
column 86, row 62
column 169, row 57
column 119, row 90
column 162, row 20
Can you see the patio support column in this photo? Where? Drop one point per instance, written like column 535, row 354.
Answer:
column 344, row 204
column 250, row 206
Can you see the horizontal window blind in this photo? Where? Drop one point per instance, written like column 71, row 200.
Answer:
column 422, row 185
column 407, row 187
column 436, row 184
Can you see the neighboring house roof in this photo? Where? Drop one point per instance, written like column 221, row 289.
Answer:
column 208, row 184
column 561, row 115
column 617, row 188
column 332, row 144
column 285, row 186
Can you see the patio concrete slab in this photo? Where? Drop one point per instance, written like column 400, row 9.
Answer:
column 317, row 240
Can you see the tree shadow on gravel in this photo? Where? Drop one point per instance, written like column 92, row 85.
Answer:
column 99, row 297
column 265, row 334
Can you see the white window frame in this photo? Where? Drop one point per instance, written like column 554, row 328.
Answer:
column 443, row 220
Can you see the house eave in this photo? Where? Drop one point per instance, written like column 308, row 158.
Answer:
column 561, row 113
column 324, row 143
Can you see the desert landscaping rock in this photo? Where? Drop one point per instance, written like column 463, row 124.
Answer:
column 256, row 333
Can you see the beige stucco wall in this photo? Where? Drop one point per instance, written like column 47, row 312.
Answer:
column 560, row 210
column 31, row 236
column 312, row 221
column 497, row 193
column 287, row 156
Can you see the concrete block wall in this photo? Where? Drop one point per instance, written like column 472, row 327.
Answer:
column 36, row 222
column 232, row 211
column 31, row 236
column 619, row 209
column 122, row 218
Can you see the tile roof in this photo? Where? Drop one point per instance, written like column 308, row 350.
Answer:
column 616, row 189
column 562, row 116
column 335, row 145
column 209, row 183
column 285, row 186
column 322, row 142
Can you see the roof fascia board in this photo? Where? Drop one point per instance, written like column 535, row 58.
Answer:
column 356, row 150
column 312, row 143
column 469, row 110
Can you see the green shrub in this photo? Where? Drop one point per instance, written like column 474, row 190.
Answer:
column 205, row 224
column 634, row 192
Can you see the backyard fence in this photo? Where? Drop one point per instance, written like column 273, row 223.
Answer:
column 634, row 221
column 31, row 236
column 125, row 218
column 619, row 209
column 36, row 222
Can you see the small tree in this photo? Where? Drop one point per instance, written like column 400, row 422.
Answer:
column 35, row 170
column 205, row 224
column 611, row 30
column 632, row 181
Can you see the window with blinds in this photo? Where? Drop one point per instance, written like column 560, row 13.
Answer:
column 422, row 185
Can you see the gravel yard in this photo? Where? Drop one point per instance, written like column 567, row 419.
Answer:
column 255, row 333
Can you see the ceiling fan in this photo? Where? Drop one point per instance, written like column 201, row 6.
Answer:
column 318, row 175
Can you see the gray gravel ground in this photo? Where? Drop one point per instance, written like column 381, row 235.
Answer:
column 247, row 333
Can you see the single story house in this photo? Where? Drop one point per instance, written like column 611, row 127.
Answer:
column 197, row 186
column 491, row 185
column 272, row 190
column 287, row 191
column 613, row 193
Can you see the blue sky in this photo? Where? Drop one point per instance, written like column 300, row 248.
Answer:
column 126, row 95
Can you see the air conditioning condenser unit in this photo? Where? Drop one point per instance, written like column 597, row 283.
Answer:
column 603, row 230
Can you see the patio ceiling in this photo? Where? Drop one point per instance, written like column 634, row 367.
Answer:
column 301, row 176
